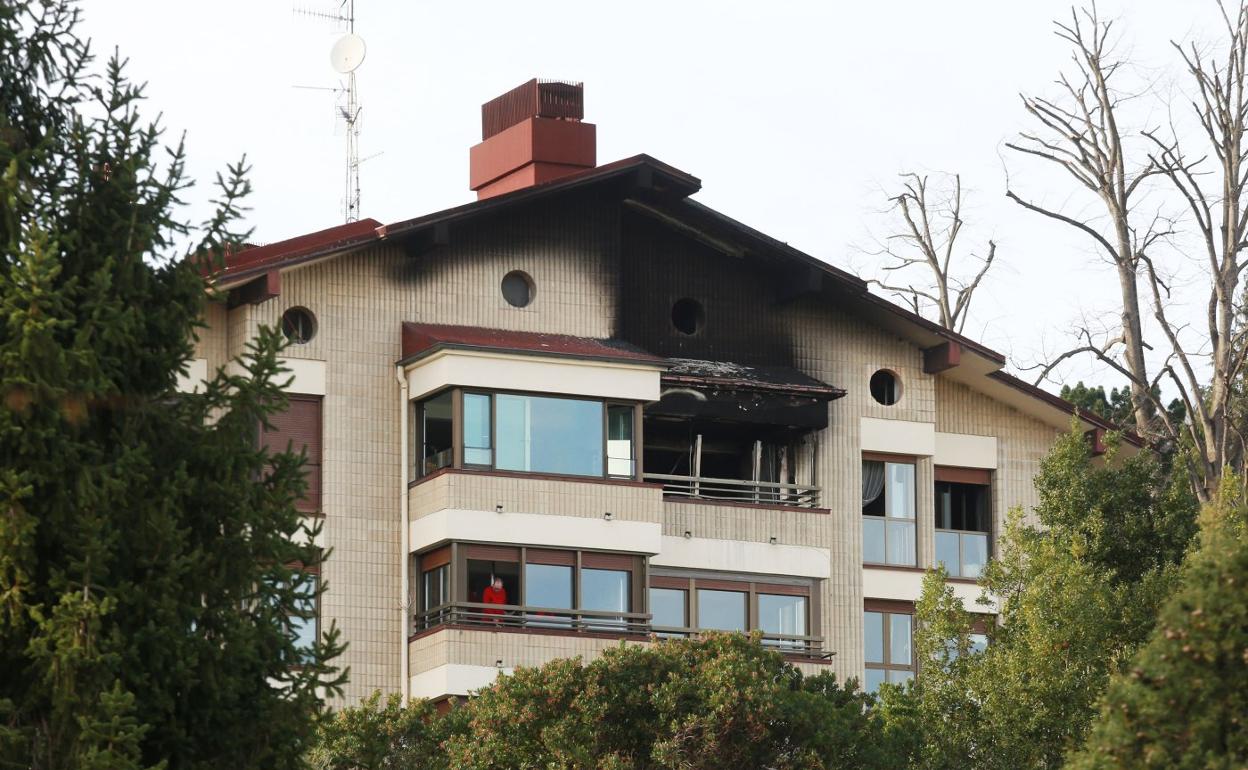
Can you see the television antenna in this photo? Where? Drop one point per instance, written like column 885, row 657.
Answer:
column 346, row 56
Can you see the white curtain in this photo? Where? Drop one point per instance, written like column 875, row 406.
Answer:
column 872, row 480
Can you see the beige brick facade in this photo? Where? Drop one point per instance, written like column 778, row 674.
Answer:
column 574, row 254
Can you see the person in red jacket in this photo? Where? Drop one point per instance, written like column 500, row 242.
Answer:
column 494, row 593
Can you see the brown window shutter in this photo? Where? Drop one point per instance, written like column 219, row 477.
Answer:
column 665, row 581
column 620, row 561
column 300, row 427
column 964, row 475
column 436, row 558
column 542, row 556
column 491, row 553
column 889, row 605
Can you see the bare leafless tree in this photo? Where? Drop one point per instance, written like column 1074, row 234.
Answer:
column 1079, row 133
column 1085, row 139
column 930, row 223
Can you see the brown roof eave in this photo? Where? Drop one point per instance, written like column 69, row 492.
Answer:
column 1060, row 403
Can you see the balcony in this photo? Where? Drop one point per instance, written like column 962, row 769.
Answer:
column 737, row 490
column 527, row 619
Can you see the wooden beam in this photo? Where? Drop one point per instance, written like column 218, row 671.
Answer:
column 797, row 281
column 942, row 357
column 427, row 239
column 1096, row 439
column 262, row 288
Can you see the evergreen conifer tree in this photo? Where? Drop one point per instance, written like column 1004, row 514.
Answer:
column 151, row 556
column 1183, row 701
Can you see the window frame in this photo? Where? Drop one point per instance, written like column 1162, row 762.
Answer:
column 966, row 477
column 691, row 582
column 886, row 609
column 459, row 447
column 892, row 459
column 458, row 553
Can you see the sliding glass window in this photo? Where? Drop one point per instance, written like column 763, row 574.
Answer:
column 525, row 433
column 888, row 504
column 963, row 525
column 549, row 435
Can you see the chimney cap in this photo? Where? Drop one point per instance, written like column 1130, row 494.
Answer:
column 559, row 99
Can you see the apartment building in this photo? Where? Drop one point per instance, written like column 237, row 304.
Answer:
column 586, row 408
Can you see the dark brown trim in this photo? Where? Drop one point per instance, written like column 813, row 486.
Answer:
column 525, row 632
column 735, row 504
column 980, row 476
column 890, row 606
column 781, row 588
column 885, row 457
column 895, row 567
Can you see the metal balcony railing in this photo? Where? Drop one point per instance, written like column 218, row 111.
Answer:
column 500, row 616
column 515, row 617
column 738, row 490
column 789, row 644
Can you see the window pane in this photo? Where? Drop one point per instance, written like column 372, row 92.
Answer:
column 721, row 610
column 944, row 505
column 477, row 429
column 493, row 582
column 979, row 642
column 605, row 589
column 548, row 585
column 900, row 490
column 620, row 440
column 780, row 614
column 901, row 542
column 873, row 488
column 667, row 605
column 974, row 555
column 873, row 540
column 873, row 637
column 303, row 624
column 436, row 433
column 873, row 680
column 549, row 435
column 899, row 640
column 900, row 677
column 434, row 585
column 947, row 552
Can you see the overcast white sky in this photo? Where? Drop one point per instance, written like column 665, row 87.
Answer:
column 795, row 115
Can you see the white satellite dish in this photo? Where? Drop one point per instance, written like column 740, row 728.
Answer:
column 348, row 53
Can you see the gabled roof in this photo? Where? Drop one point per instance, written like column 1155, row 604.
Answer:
column 639, row 169
column 666, row 190
column 420, row 340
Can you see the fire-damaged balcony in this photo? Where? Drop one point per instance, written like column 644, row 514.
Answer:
column 738, row 434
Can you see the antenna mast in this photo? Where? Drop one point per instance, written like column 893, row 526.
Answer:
column 346, row 57
column 351, row 114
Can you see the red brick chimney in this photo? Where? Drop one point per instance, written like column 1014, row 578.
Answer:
column 531, row 134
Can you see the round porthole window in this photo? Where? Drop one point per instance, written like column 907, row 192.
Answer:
column 688, row 316
column 885, row 387
column 299, row 325
column 518, row 288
